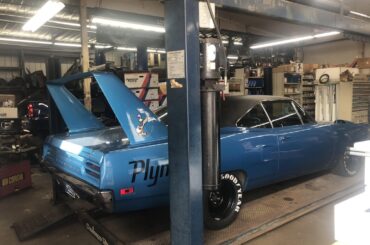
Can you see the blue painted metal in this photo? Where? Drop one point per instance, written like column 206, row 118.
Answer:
column 139, row 123
column 76, row 117
column 294, row 12
column 185, row 155
column 103, row 159
column 142, row 58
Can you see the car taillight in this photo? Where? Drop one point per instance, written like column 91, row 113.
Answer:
column 126, row 191
column 30, row 110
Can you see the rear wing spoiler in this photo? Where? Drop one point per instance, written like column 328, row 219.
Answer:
column 139, row 123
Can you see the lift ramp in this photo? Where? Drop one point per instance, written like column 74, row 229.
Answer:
column 270, row 210
column 263, row 210
column 35, row 224
column 32, row 226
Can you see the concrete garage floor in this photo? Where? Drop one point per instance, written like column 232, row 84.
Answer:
column 314, row 228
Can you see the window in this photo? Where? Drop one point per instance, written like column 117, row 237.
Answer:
column 282, row 113
column 305, row 117
column 255, row 118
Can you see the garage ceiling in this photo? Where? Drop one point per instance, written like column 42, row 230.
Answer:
column 14, row 13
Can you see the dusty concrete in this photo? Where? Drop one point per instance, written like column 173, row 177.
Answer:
column 314, row 228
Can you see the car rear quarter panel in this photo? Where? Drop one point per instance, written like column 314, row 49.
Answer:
column 145, row 169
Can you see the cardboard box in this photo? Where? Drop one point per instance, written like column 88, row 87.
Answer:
column 14, row 176
column 8, row 112
column 146, row 93
column 363, row 63
column 7, row 100
column 308, row 68
column 141, row 80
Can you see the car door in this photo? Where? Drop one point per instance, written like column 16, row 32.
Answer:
column 301, row 145
column 260, row 147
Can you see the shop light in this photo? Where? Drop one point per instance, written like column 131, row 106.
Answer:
column 236, row 43
column 294, row 40
column 225, row 42
column 360, row 14
column 232, row 57
column 45, row 13
column 127, row 25
column 126, row 49
column 327, row 34
column 24, row 41
column 77, row 45
column 152, row 50
column 102, row 46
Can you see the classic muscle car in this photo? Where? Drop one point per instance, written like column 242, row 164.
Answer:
column 264, row 139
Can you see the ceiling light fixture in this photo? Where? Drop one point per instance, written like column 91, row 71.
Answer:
column 236, row 43
column 153, row 50
column 129, row 25
column 232, row 57
column 77, row 45
column 294, row 40
column 24, row 40
column 99, row 46
column 225, row 42
column 126, row 49
column 360, row 14
column 45, row 13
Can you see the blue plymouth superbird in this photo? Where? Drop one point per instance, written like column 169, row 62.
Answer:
column 264, row 139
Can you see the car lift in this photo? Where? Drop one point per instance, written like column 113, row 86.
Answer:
column 288, row 201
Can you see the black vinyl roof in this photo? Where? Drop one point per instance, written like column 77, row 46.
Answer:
column 234, row 107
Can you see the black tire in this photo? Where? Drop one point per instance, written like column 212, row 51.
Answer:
column 223, row 206
column 348, row 165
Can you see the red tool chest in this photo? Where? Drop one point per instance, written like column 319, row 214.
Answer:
column 14, row 176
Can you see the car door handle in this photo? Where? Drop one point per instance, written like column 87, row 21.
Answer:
column 284, row 138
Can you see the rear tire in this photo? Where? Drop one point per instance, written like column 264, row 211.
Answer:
column 223, row 206
column 348, row 165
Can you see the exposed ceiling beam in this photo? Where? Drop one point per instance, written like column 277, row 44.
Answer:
column 297, row 13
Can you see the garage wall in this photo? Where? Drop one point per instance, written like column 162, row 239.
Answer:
column 8, row 61
column 35, row 64
column 339, row 52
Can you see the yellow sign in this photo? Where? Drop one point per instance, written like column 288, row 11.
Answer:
column 12, row 179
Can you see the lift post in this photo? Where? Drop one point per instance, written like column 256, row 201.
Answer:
column 184, row 131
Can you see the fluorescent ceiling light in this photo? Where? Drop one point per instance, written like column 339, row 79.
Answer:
column 45, row 13
column 360, row 14
column 294, row 40
column 24, row 40
column 102, row 46
column 126, row 49
column 236, row 43
column 152, row 50
column 77, row 45
column 327, row 34
column 129, row 25
column 232, row 57
column 225, row 42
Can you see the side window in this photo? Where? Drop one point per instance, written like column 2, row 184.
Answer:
column 282, row 113
column 255, row 118
column 305, row 117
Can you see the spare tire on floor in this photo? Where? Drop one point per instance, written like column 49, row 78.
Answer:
column 223, row 206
